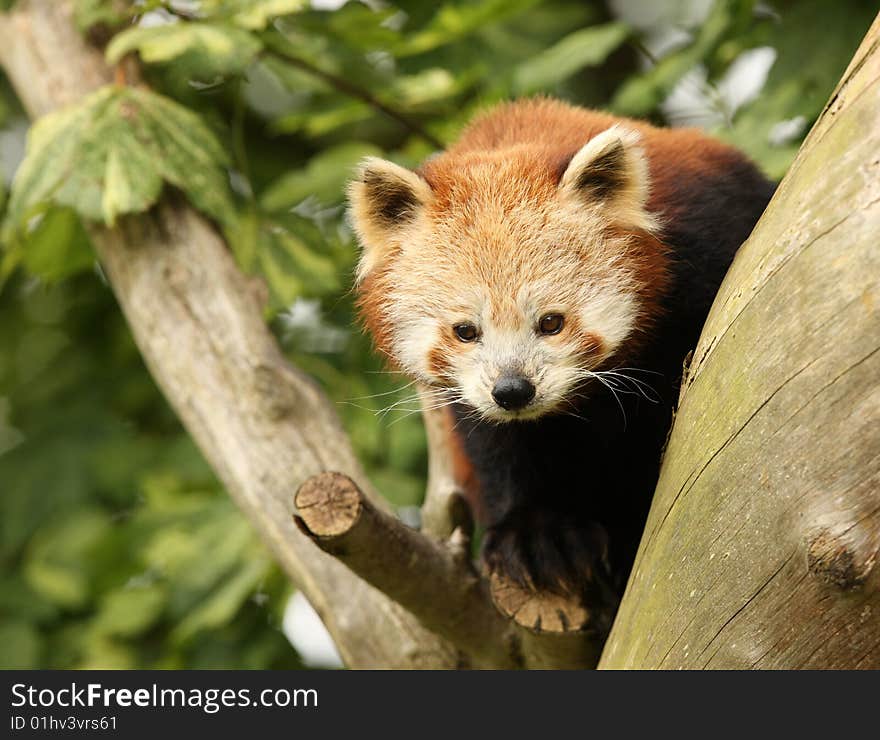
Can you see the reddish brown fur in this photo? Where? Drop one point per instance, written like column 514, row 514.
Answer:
column 462, row 469
column 542, row 208
column 523, row 128
column 515, row 140
column 527, row 146
column 590, row 342
column 649, row 257
column 438, row 358
column 372, row 303
column 532, row 159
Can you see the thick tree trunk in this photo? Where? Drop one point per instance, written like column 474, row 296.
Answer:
column 762, row 543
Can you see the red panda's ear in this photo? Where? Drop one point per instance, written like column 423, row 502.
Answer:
column 611, row 169
column 384, row 199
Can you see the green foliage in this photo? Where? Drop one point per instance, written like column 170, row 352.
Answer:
column 643, row 93
column 252, row 14
column 110, row 13
column 57, row 246
column 118, row 547
column 587, row 47
column 323, row 177
column 814, row 44
column 211, row 47
column 111, row 154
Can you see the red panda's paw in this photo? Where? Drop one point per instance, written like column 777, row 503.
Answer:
column 550, row 552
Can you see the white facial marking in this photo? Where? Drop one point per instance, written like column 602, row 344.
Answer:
column 555, row 364
column 609, row 310
column 502, row 262
column 413, row 344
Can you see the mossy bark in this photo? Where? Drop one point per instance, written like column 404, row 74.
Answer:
column 762, row 543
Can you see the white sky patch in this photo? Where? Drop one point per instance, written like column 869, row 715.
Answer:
column 156, row 18
column 746, row 77
column 328, row 4
column 304, row 630
column 695, row 102
column 303, row 323
column 787, row 131
column 689, row 103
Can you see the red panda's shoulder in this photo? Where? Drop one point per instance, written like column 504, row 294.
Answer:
column 534, row 121
column 543, row 134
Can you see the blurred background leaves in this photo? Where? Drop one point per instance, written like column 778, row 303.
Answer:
column 118, row 548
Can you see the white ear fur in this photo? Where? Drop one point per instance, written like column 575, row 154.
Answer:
column 384, row 199
column 611, row 168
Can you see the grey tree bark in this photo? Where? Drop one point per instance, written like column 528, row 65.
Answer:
column 761, row 546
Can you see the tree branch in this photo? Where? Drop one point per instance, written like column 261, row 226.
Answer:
column 346, row 87
column 438, row 584
column 443, row 508
column 262, row 425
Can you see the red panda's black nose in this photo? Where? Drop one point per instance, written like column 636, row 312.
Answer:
column 513, row 392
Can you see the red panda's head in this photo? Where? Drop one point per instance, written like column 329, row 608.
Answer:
column 508, row 276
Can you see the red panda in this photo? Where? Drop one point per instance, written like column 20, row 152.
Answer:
column 546, row 276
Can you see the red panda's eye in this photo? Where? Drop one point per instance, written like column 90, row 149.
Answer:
column 466, row 332
column 551, row 323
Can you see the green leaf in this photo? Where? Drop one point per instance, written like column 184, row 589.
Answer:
column 129, row 612
column 223, row 603
column 110, row 155
column 219, row 48
column 190, row 157
column 357, row 25
column 292, row 267
column 800, row 80
column 641, row 94
column 57, row 247
column 17, row 598
column 427, row 86
column 588, row 47
column 256, row 14
column 315, row 121
column 324, row 177
column 120, row 195
column 89, row 13
column 101, row 653
column 453, row 22
column 57, row 565
column 22, row 645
